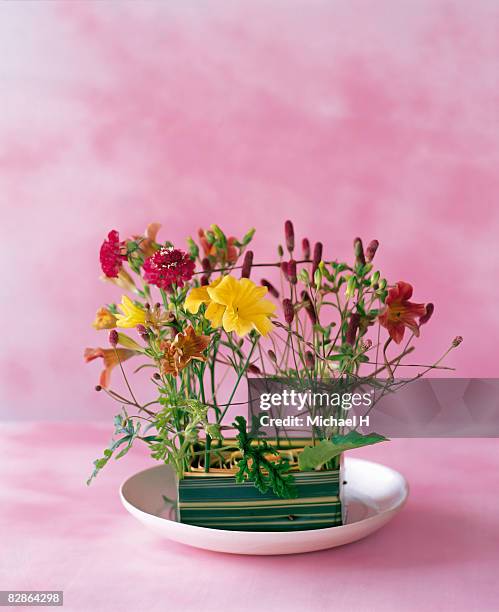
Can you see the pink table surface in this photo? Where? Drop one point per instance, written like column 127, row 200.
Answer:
column 440, row 553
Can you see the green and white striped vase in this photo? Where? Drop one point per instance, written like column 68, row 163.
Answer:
column 216, row 500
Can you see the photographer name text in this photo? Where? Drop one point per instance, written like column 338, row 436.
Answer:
column 312, row 421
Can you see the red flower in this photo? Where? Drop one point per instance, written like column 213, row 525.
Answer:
column 400, row 313
column 111, row 257
column 167, row 267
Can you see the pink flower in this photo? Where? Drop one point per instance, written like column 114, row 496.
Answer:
column 168, row 267
column 111, row 257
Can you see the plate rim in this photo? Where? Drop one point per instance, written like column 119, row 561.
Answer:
column 282, row 534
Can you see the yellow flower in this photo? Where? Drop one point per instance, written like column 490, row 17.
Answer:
column 238, row 305
column 132, row 314
column 199, row 295
column 104, row 319
column 196, row 297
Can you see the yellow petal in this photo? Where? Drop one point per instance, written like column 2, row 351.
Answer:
column 196, row 297
column 132, row 314
column 214, row 314
column 127, row 307
column 263, row 324
column 232, row 321
column 225, row 291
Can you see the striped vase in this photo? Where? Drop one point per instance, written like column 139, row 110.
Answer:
column 217, row 501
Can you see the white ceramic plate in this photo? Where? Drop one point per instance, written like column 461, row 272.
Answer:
column 374, row 494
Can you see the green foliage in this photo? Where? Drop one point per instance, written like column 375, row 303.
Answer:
column 123, row 424
column 313, row 457
column 256, row 466
column 174, row 446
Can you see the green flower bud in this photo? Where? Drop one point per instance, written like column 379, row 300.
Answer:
column 217, row 231
column 248, row 236
column 374, row 278
column 303, row 276
column 325, row 272
column 193, row 248
column 318, row 277
column 359, row 251
column 351, row 286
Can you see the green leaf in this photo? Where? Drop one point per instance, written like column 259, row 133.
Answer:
column 313, row 457
column 256, row 466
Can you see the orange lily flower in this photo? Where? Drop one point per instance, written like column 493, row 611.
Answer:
column 186, row 346
column 111, row 357
column 400, row 312
column 147, row 243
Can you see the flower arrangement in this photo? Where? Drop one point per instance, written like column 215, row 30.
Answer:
column 202, row 320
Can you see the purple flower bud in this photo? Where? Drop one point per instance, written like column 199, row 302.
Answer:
column 372, row 247
column 305, row 245
column 457, row 341
column 253, row 369
column 205, row 280
column 289, row 311
column 143, row 333
column 310, row 360
column 113, row 337
column 353, row 326
column 289, row 233
column 247, row 263
column 284, row 269
column 359, row 251
column 206, row 265
column 292, row 272
column 272, row 290
column 317, row 256
column 427, row 315
column 280, row 250
column 309, row 307
column 272, row 355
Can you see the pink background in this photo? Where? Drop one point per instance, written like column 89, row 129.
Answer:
column 376, row 119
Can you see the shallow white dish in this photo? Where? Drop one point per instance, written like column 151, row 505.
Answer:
column 374, row 494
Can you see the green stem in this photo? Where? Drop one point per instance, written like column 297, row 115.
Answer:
column 240, row 375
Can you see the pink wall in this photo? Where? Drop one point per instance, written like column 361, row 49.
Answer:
column 377, row 119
